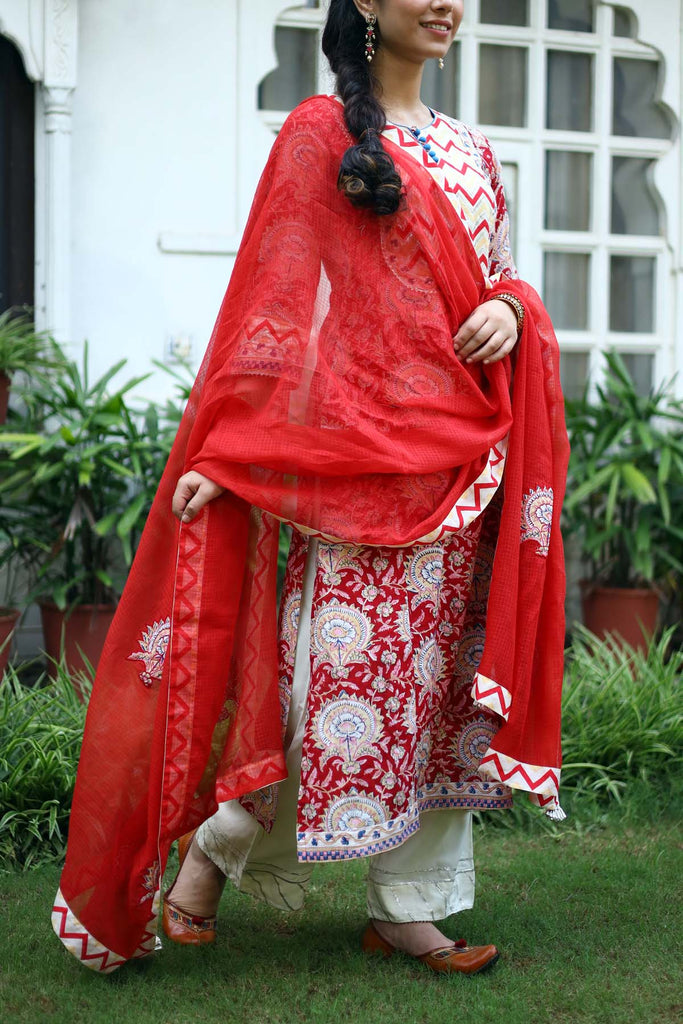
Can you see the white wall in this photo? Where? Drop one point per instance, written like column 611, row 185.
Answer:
column 154, row 150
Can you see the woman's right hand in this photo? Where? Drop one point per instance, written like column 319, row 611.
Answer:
column 192, row 493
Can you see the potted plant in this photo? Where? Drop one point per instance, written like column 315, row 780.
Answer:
column 83, row 474
column 625, row 469
column 22, row 349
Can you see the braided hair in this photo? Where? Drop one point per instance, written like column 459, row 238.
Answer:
column 367, row 175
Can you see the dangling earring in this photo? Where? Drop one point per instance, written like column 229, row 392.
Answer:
column 442, row 64
column 370, row 37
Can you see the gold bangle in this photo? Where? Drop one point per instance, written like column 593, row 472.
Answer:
column 515, row 304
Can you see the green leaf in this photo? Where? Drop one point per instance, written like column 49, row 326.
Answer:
column 612, row 498
column 591, row 486
column 638, row 483
column 131, row 515
column 106, row 524
column 664, row 468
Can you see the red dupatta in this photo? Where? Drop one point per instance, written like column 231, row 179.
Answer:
column 329, row 396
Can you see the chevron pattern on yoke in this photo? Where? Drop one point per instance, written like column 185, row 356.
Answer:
column 461, row 174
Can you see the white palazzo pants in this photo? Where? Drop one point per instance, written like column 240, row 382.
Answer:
column 427, row 878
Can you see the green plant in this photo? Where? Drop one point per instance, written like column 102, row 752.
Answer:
column 40, row 739
column 77, row 484
column 622, row 715
column 625, row 483
column 22, row 348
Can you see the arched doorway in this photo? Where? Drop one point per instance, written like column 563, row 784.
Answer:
column 17, row 180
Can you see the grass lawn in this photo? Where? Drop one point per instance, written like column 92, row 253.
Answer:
column 589, row 927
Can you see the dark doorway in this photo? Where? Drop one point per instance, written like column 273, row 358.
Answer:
column 17, row 180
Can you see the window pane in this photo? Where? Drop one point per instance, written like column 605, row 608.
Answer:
column 504, row 12
column 632, row 294
column 440, row 88
column 624, row 26
column 565, row 289
column 634, row 208
column 636, row 110
column 502, row 64
column 573, row 373
column 571, row 15
column 640, row 365
column 567, row 191
column 294, row 79
column 511, row 188
column 570, row 91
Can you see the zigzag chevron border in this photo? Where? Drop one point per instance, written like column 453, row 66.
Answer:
column 469, row 505
column 491, row 695
column 86, row 948
column 540, row 781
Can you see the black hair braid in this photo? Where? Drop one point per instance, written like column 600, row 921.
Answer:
column 367, row 175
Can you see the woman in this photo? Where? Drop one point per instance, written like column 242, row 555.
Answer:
column 357, row 387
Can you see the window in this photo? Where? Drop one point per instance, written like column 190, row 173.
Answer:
column 570, row 100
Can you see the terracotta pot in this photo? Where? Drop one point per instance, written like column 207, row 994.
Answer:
column 8, row 620
column 83, row 628
column 4, row 396
column 621, row 611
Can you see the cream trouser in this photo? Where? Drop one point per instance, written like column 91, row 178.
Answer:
column 428, row 877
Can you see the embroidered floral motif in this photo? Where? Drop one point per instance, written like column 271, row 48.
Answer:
column 425, row 572
column 340, row 634
column 153, row 646
column 262, row 803
column 150, row 882
column 473, row 742
column 348, row 728
column 537, row 518
column 353, row 812
column 429, row 664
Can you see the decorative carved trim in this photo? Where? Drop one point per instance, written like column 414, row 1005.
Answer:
column 57, row 105
column 61, row 40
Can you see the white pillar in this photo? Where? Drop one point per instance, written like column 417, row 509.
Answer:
column 56, row 204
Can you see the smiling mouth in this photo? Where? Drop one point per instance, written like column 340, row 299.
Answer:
column 435, row 26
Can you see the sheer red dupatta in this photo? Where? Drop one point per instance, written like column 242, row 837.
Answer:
column 329, row 396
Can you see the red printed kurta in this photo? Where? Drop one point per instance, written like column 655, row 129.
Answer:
column 397, row 633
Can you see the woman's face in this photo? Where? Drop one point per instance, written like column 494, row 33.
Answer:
column 417, row 30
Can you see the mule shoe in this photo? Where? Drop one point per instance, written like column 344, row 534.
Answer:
column 178, row 926
column 456, row 958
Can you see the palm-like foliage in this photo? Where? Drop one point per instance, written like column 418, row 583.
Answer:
column 625, row 484
column 77, row 482
column 22, row 348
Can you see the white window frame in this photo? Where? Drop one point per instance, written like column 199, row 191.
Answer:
column 526, row 147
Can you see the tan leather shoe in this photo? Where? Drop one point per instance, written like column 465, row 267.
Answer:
column 181, row 927
column 456, row 958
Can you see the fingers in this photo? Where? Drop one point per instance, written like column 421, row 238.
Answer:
column 486, row 335
column 192, row 493
column 494, row 350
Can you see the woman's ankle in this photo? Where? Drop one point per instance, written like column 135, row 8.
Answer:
column 198, row 885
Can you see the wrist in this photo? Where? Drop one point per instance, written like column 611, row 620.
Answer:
column 513, row 303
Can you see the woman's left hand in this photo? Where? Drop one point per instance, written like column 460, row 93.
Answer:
column 488, row 335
